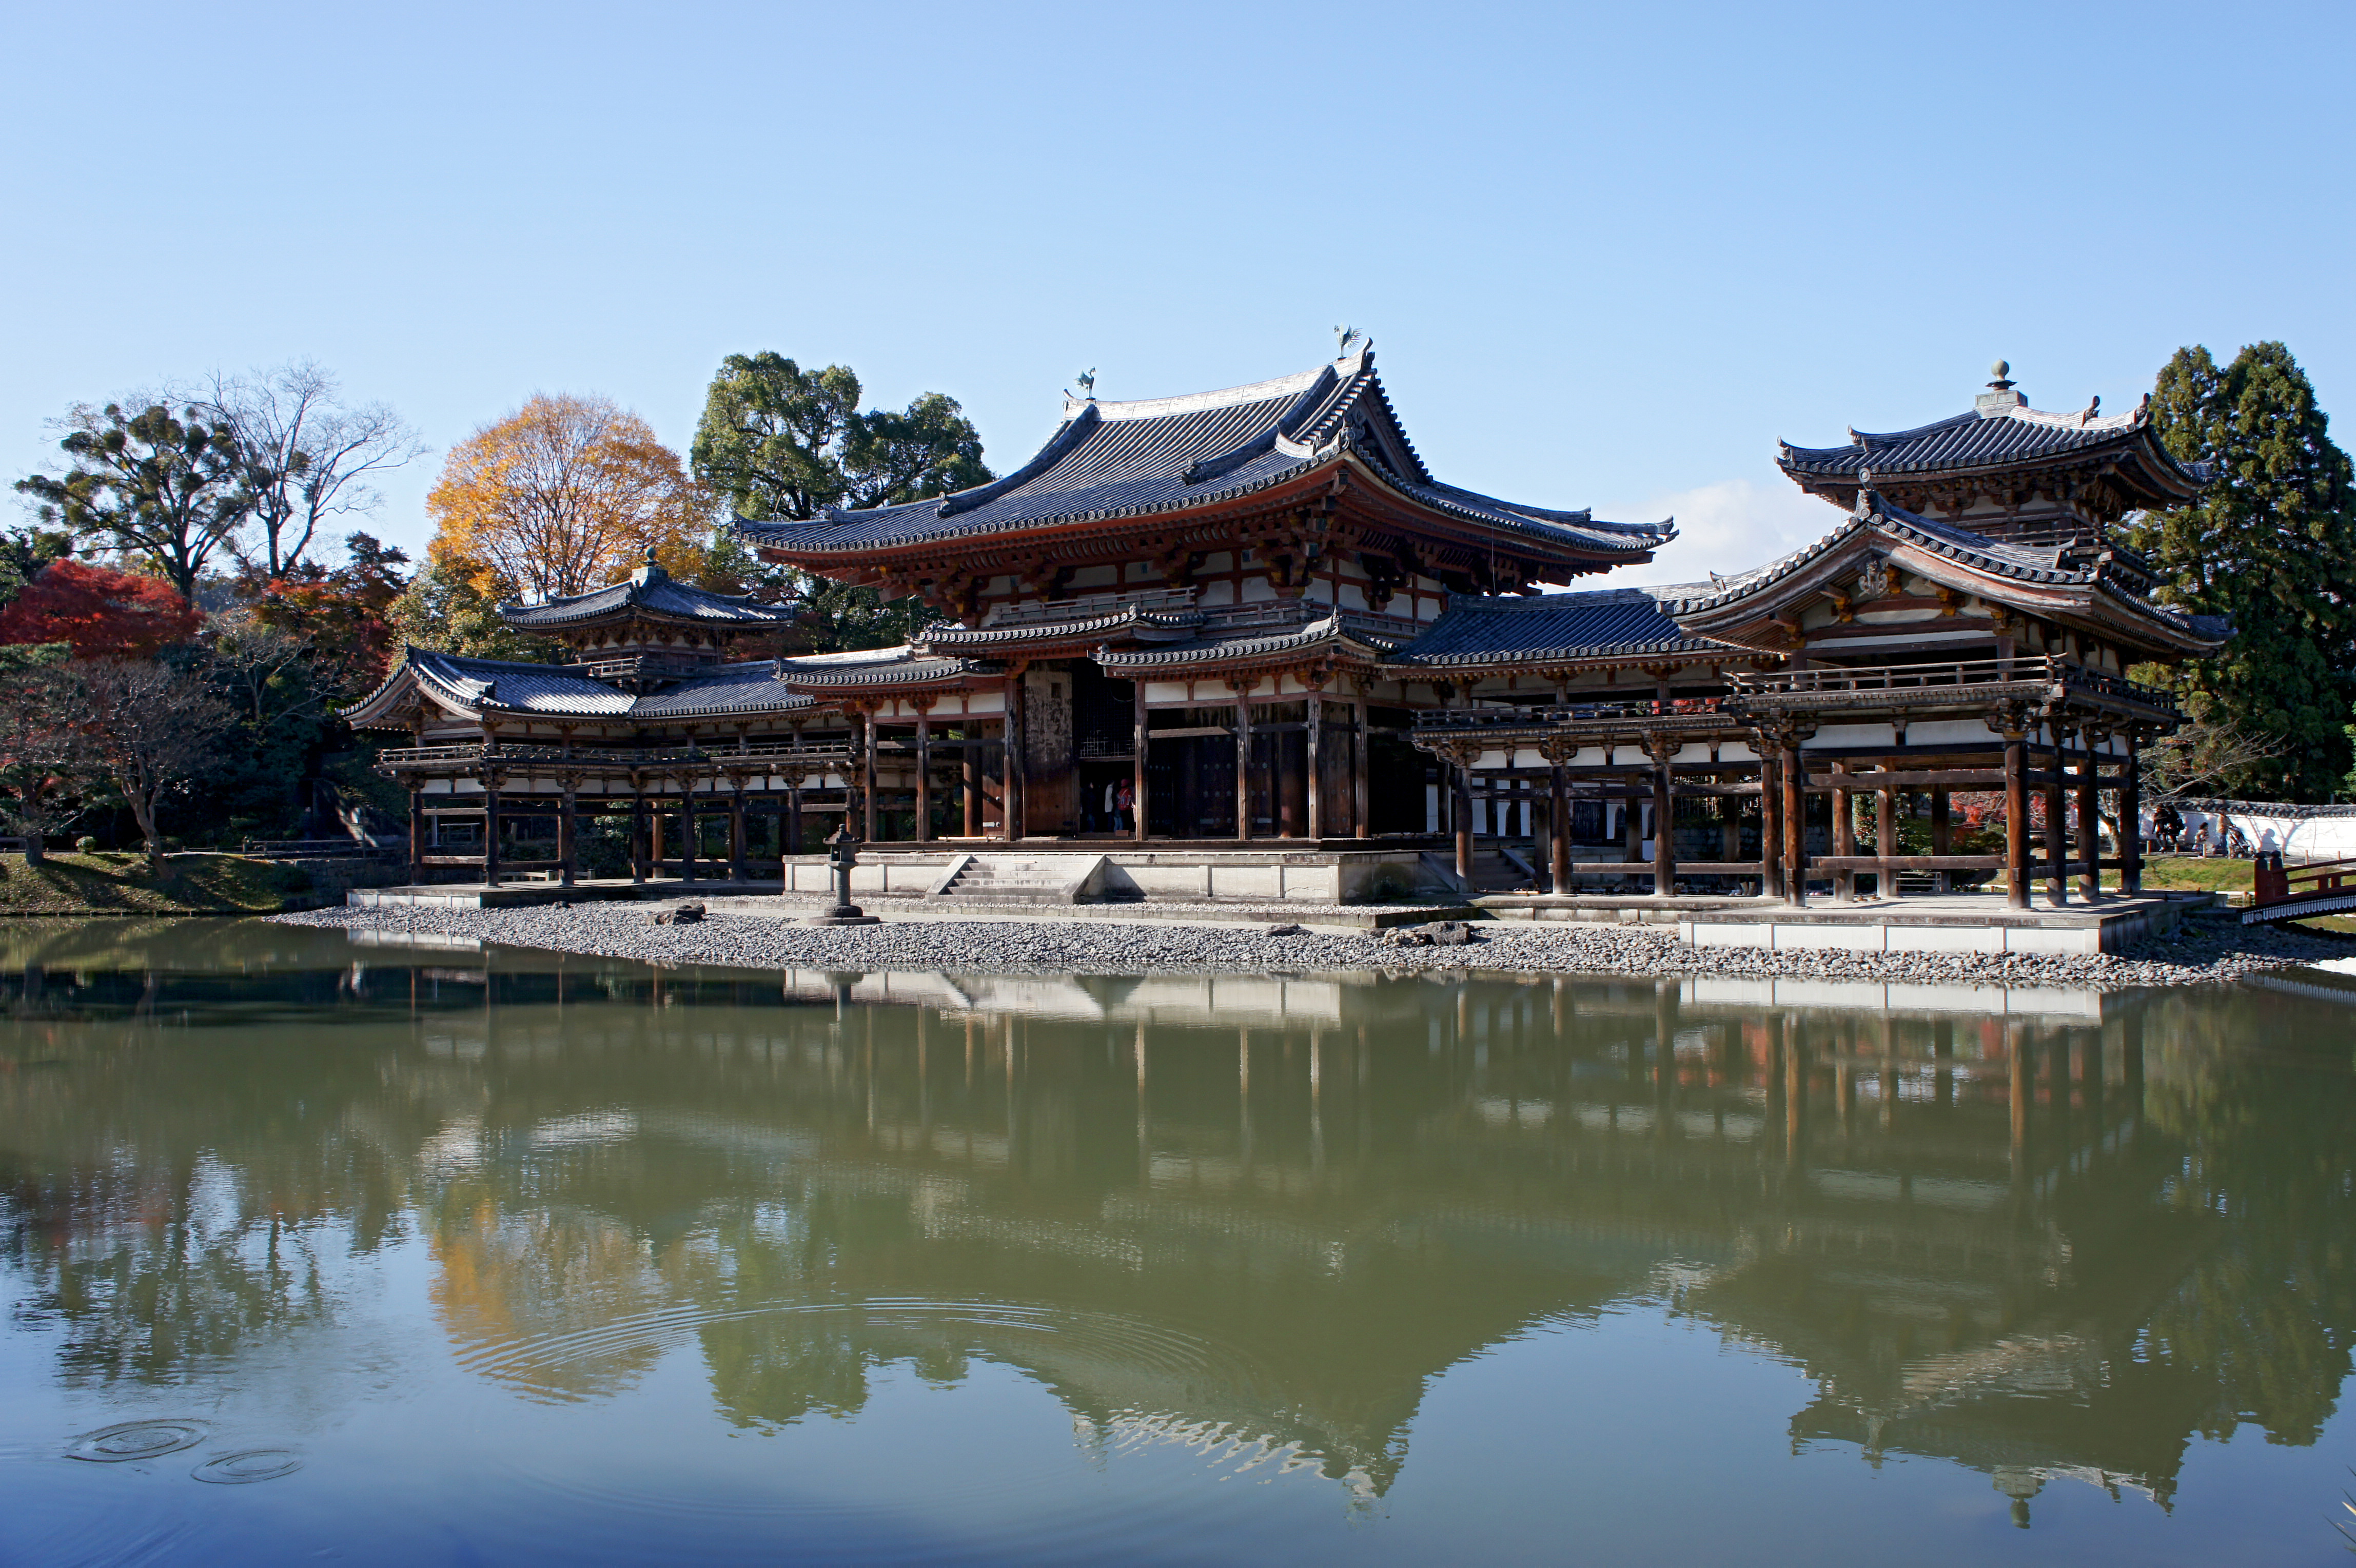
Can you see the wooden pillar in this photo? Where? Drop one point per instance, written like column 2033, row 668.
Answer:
column 736, row 869
column 1243, row 764
column 2056, row 844
column 970, row 779
column 793, row 845
column 1141, row 752
column 1559, row 813
column 1885, row 840
column 1358, row 803
column 1464, row 819
column 1017, row 769
column 1664, row 831
column 1943, row 833
column 1315, row 757
column 868, row 730
column 2131, row 818
column 1281, row 815
column 490, row 832
column 2016, row 817
column 1795, row 826
column 565, row 831
column 1844, row 835
column 1771, row 821
column 416, row 832
column 638, row 836
column 2090, row 819
column 654, row 843
column 686, row 839
column 923, row 771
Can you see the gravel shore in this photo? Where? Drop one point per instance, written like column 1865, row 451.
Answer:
column 2207, row 951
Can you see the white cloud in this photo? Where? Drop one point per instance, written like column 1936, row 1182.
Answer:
column 1727, row 527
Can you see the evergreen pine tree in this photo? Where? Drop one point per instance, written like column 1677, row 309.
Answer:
column 2270, row 546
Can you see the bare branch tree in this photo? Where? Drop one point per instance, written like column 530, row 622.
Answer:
column 152, row 729
column 250, row 654
column 306, row 455
column 2201, row 755
column 45, row 760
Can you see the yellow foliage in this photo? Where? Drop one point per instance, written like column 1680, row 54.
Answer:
column 565, row 495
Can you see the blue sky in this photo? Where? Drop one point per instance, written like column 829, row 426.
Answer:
column 1608, row 254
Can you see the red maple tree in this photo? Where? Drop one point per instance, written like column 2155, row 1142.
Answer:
column 104, row 613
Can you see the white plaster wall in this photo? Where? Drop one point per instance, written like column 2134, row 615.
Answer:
column 1949, row 732
column 1835, row 736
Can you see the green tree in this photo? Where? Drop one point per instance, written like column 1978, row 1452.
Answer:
column 2271, row 546
column 23, row 551
column 168, row 490
column 782, row 444
column 446, row 610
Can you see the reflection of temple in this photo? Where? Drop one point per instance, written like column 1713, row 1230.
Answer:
column 1334, row 1192
column 1255, row 1211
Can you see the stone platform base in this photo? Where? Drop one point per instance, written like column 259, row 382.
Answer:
column 1063, row 872
column 1954, row 922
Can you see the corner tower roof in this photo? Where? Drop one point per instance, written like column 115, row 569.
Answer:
column 2117, row 458
column 648, row 593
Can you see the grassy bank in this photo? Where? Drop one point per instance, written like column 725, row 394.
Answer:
column 118, row 884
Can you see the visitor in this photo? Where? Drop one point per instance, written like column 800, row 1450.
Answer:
column 1124, row 802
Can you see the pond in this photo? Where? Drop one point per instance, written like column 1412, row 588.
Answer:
column 313, row 1247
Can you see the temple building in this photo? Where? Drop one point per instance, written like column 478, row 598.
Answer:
column 1253, row 620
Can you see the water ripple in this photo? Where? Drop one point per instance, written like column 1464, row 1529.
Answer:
column 132, row 1439
column 246, row 1467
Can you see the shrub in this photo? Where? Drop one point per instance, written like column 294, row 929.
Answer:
column 85, row 845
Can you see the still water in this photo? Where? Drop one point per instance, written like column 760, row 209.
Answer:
column 385, row 1254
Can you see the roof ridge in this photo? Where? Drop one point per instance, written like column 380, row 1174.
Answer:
column 1356, row 360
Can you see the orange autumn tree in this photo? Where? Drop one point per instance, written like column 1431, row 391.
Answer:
column 564, row 495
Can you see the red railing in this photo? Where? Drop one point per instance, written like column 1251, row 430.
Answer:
column 2280, row 885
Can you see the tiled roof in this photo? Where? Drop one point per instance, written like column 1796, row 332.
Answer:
column 1128, row 459
column 549, row 691
column 521, row 687
column 2041, row 564
column 756, row 687
column 901, row 666
column 2002, row 434
column 1333, row 630
column 1553, row 627
column 2023, row 562
column 650, row 591
column 950, row 634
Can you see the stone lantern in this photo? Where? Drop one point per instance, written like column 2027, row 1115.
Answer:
column 842, row 859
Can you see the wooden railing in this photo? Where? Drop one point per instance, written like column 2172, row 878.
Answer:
column 475, row 753
column 2038, row 670
column 1087, row 607
column 2279, row 885
column 1475, row 720
column 637, row 666
column 310, row 849
column 2034, row 669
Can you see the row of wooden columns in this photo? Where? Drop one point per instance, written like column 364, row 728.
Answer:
column 1782, row 868
column 646, row 832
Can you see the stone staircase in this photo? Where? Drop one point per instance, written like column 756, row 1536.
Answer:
column 1495, row 870
column 1010, row 879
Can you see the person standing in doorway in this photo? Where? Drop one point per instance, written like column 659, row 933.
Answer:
column 1124, row 802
